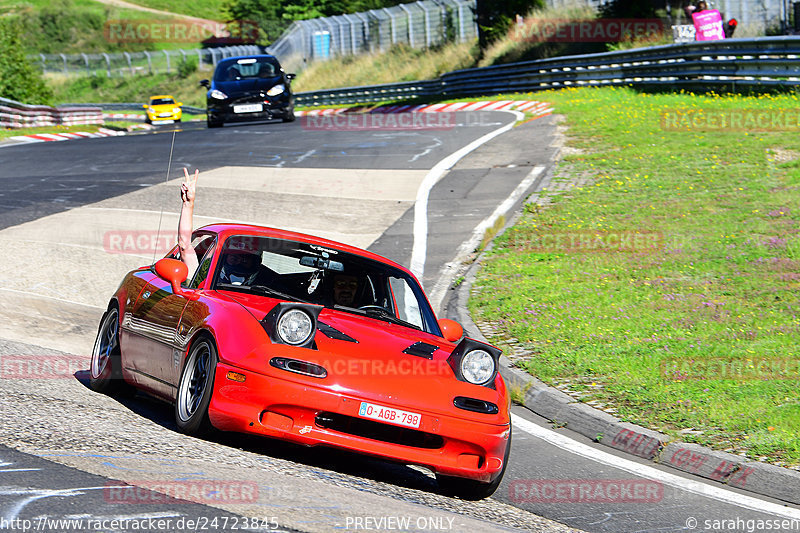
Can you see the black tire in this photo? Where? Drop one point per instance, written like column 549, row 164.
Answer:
column 105, row 370
column 468, row 489
column 147, row 120
column 195, row 388
column 289, row 116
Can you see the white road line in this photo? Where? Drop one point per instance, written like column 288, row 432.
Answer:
column 686, row 485
column 37, row 295
column 436, row 295
column 419, row 248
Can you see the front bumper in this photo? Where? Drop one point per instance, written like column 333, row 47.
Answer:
column 273, row 108
column 313, row 416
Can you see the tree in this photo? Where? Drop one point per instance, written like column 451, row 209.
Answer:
column 19, row 80
column 495, row 18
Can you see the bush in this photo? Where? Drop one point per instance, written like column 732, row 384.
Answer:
column 187, row 67
column 19, row 80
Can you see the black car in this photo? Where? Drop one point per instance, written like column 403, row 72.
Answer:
column 249, row 88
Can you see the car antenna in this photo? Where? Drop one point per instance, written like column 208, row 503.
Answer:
column 166, row 180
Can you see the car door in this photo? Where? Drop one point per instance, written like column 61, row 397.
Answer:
column 154, row 326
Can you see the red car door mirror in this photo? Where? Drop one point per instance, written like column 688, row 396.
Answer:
column 451, row 329
column 176, row 273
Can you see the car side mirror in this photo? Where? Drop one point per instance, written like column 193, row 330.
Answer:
column 451, row 329
column 291, row 76
column 175, row 272
column 145, row 106
column 179, row 104
column 205, row 83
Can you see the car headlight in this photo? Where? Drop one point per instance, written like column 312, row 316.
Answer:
column 219, row 95
column 176, row 110
column 276, row 90
column 477, row 367
column 295, row 327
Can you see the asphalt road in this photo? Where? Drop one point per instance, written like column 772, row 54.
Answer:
column 74, row 435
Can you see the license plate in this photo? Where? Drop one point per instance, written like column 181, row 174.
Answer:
column 390, row 415
column 249, row 108
column 165, row 115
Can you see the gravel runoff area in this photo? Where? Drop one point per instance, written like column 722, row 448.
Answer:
column 62, row 420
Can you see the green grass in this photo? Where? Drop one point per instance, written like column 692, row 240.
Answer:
column 720, row 286
column 131, row 89
column 5, row 133
column 399, row 63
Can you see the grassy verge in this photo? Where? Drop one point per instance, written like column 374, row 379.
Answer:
column 399, row 63
column 692, row 331
column 97, row 89
column 5, row 133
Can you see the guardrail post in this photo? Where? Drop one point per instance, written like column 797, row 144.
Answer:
column 393, row 25
column 167, row 56
column 108, row 65
column 183, row 55
column 64, row 61
column 44, row 63
column 427, row 24
column 86, row 62
column 149, row 63
column 213, row 57
column 128, row 59
column 410, row 24
column 461, row 22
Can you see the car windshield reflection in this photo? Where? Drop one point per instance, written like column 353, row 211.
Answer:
column 333, row 278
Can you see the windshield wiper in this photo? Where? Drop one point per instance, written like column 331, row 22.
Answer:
column 263, row 289
column 377, row 312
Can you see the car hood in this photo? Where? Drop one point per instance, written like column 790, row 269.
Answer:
column 233, row 88
column 378, row 361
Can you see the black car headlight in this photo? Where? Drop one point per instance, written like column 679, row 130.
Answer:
column 475, row 362
column 219, row 95
column 292, row 323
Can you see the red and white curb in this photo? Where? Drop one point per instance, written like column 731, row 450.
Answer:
column 47, row 137
column 538, row 109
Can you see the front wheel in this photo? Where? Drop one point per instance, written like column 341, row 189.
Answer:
column 289, row 116
column 213, row 123
column 105, row 372
column 469, row 489
column 195, row 388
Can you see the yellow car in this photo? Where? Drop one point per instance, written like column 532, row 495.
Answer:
column 163, row 108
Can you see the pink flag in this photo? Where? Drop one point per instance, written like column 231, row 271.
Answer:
column 708, row 25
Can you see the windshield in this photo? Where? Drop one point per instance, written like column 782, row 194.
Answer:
column 246, row 68
column 323, row 276
column 161, row 101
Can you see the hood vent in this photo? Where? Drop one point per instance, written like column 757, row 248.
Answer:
column 421, row 349
column 333, row 333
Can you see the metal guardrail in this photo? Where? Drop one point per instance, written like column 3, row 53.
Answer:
column 14, row 114
column 133, row 63
column 135, row 107
column 731, row 64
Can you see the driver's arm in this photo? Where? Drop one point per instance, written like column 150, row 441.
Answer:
column 188, row 254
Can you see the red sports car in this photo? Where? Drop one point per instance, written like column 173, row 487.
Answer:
column 300, row 338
